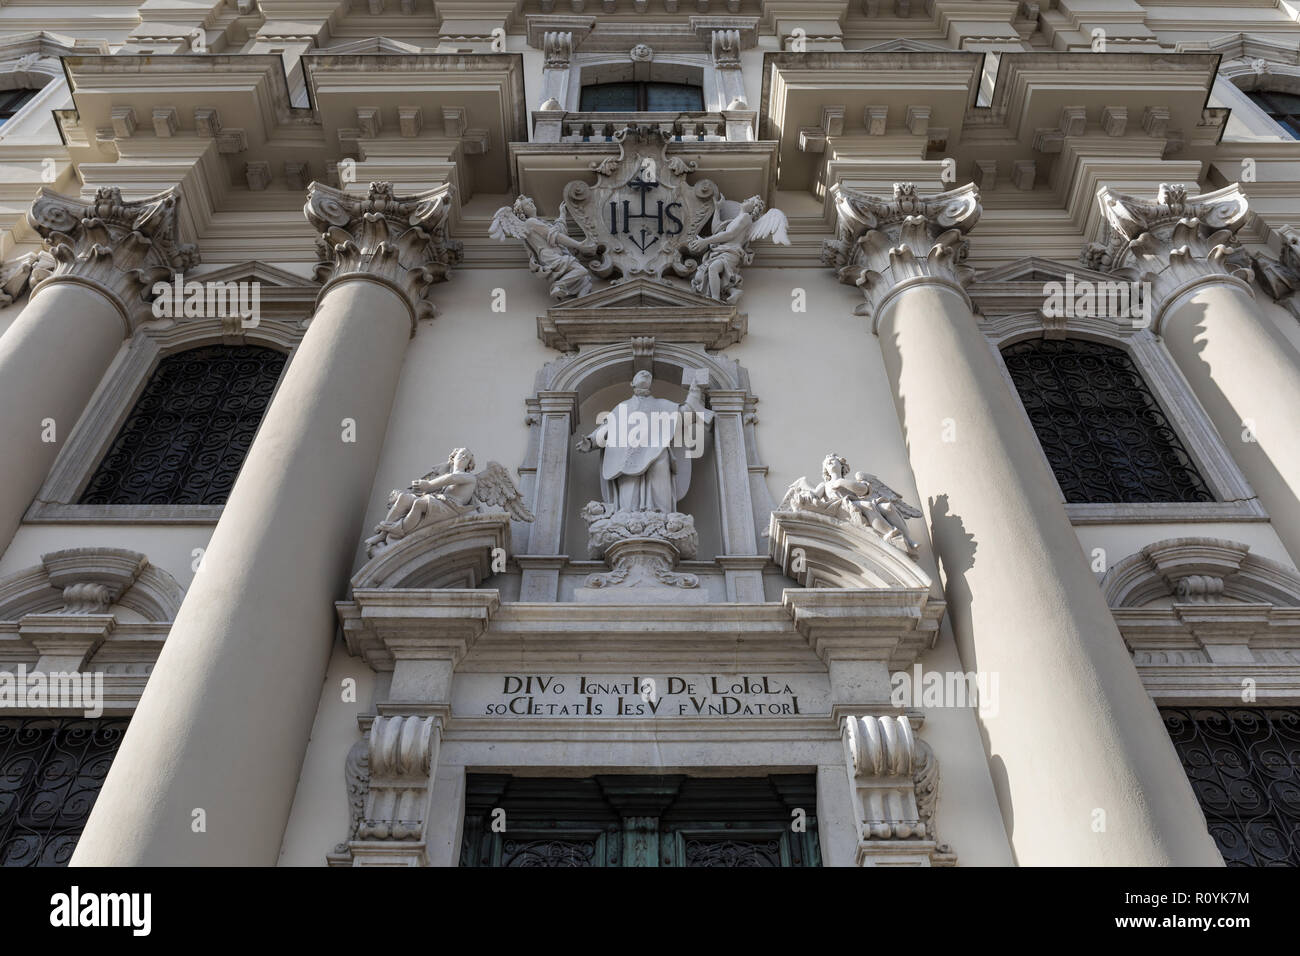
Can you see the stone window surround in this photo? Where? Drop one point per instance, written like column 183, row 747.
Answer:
column 32, row 62
column 112, row 404
column 1237, row 500
column 693, row 68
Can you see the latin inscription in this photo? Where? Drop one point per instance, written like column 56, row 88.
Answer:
column 636, row 695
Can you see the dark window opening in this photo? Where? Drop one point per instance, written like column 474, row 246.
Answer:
column 11, row 101
column 51, row 772
column 1244, row 766
column 632, row 821
column 187, row 436
column 1104, row 434
column 641, row 98
column 1282, row 108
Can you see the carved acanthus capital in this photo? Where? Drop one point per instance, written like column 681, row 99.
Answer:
column 117, row 247
column 400, row 241
column 881, row 244
column 1173, row 242
column 895, row 779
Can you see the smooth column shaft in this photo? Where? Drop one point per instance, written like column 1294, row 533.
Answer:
column 1084, row 769
column 51, row 360
column 224, row 721
column 1247, row 377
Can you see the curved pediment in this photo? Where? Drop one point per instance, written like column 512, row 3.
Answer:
column 819, row 551
column 449, row 554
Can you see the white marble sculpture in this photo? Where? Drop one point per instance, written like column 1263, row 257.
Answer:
column 448, row 491
column 864, row 500
column 647, row 445
column 552, row 253
column 726, row 248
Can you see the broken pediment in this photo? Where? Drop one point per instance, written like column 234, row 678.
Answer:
column 641, row 307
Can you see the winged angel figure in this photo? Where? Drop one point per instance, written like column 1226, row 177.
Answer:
column 863, row 500
column 448, row 491
column 552, row 252
column 726, row 248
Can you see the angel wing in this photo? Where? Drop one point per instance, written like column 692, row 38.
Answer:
column 496, row 489
column 801, row 487
column 771, row 223
column 506, row 225
column 878, row 487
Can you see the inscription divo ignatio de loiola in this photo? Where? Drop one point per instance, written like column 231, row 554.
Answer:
column 609, row 695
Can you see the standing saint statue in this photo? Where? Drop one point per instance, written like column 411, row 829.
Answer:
column 648, row 445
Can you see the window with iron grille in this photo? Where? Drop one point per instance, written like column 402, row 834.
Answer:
column 1103, row 432
column 51, row 771
column 1244, row 765
column 634, row 97
column 187, row 436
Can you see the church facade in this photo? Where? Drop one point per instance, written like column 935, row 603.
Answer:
column 650, row 433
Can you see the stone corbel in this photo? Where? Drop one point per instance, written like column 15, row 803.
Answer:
column 883, row 245
column 1281, row 276
column 1175, row 242
column 117, row 247
column 894, row 777
column 401, row 242
column 390, row 777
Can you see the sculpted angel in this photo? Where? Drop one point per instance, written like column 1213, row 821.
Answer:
column 448, row 491
column 552, row 252
column 863, row 499
column 726, row 248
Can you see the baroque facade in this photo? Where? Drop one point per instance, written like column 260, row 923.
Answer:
column 383, row 449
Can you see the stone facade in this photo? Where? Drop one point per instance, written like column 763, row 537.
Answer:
column 757, row 491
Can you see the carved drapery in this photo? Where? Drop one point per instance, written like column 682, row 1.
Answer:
column 399, row 241
column 119, row 248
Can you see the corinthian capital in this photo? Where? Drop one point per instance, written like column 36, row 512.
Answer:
column 400, row 241
column 1173, row 242
column 117, row 247
column 882, row 244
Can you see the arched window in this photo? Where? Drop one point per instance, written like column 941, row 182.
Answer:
column 1102, row 430
column 187, row 436
column 638, row 96
column 11, row 101
column 1282, row 108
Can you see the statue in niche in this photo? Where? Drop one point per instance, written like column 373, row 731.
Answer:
column 726, row 248
column 552, row 253
column 648, row 444
column 863, row 500
column 448, row 491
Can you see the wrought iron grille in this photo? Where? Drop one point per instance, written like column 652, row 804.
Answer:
column 51, row 769
column 733, row 853
column 1244, row 765
column 1102, row 430
column 187, row 436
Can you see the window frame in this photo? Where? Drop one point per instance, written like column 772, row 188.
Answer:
column 1237, row 501
column 641, row 91
column 114, row 400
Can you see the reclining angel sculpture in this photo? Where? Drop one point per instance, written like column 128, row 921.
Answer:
column 726, row 248
column 864, row 500
column 448, row 491
column 552, row 252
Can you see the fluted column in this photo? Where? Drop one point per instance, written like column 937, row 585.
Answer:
column 88, row 293
column 1245, row 374
column 224, row 721
column 1084, row 770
